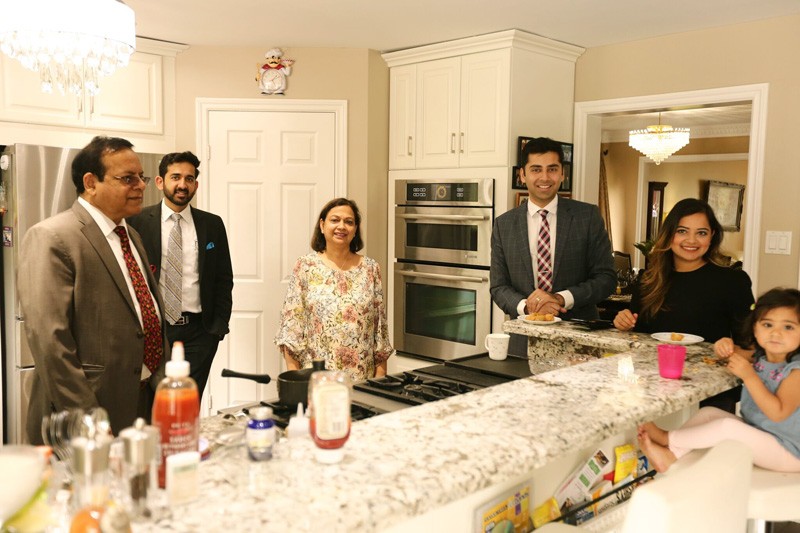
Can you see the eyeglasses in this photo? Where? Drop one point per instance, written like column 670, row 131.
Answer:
column 132, row 180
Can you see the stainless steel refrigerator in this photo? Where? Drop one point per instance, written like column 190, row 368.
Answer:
column 38, row 184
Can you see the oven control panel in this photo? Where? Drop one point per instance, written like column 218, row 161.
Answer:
column 477, row 192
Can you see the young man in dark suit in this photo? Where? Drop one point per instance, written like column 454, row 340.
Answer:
column 188, row 249
column 550, row 254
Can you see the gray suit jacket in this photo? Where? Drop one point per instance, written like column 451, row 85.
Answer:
column 80, row 321
column 583, row 262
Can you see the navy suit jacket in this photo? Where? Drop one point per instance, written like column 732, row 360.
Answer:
column 583, row 263
column 214, row 259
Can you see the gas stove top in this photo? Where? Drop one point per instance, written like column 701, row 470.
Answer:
column 427, row 384
column 397, row 391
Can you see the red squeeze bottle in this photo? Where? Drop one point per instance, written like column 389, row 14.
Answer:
column 176, row 411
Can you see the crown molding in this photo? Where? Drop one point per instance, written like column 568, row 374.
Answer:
column 483, row 43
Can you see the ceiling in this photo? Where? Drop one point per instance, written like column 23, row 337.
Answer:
column 386, row 25
column 707, row 121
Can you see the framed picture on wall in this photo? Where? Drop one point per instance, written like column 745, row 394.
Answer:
column 520, row 198
column 516, row 180
column 726, row 199
column 566, row 148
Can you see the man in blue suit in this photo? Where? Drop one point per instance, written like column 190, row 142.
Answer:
column 188, row 249
column 550, row 254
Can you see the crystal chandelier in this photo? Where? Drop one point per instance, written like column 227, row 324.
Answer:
column 71, row 43
column 659, row 142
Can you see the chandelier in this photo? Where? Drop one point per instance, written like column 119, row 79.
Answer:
column 71, row 43
column 659, row 142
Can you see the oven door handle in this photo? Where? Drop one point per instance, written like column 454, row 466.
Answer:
column 444, row 277
column 443, row 217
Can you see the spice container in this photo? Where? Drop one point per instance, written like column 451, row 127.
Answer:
column 329, row 402
column 260, row 434
column 90, row 482
column 139, row 469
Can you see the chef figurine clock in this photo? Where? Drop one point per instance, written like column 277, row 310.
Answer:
column 272, row 75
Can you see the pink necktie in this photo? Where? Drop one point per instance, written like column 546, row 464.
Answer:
column 153, row 347
column 543, row 258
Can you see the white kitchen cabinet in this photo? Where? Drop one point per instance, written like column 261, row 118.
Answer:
column 451, row 112
column 402, row 113
column 475, row 96
column 131, row 100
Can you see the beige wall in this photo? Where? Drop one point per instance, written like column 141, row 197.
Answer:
column 758, row 52
column 359, row 76
column 686, row 180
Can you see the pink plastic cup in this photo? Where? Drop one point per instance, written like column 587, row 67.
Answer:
column 670, row 360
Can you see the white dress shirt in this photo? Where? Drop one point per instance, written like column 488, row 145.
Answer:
column 107, row 227
column 190, row 275
column 534, row 224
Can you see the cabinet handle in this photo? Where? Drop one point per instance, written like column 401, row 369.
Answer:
column 453, row 143
column 91, row 109
column 410, row 142
column 461, row 144
column 80, row 104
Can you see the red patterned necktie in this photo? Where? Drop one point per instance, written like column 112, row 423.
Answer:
column 544, row 280
column 153, row 347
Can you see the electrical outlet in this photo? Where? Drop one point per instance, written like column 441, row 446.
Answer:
column 778, row 242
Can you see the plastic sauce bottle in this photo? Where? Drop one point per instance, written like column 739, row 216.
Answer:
column 176, row 411
column 329, row 402
column 260, row 434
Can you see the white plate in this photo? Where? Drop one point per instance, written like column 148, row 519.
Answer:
column 539, row 322
column 687, row 338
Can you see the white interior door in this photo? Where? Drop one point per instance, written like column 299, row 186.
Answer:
column 270, row 174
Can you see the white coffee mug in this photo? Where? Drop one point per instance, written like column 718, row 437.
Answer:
column 497, row 344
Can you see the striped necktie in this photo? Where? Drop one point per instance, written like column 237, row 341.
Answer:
column 153, row 346
column 544, row 261
column 173, row 273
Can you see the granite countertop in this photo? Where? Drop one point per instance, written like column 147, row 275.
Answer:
column 409, row 462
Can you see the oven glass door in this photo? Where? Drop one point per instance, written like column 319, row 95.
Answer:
column 454, row 235
column 441, row 312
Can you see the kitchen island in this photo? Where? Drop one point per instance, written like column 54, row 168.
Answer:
column 429, row 467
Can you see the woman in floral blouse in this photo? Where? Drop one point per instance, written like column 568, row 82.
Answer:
column 334, row 306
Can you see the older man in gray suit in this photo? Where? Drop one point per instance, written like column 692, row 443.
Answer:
column 550, row 254
column 92, row 314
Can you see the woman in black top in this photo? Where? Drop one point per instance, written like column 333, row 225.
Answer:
column 684, row 289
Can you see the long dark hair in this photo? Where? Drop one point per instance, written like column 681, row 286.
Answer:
column 657, row 279
column 318, row 242
column 772, row 299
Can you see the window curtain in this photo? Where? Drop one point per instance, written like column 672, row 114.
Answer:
column 605, row 211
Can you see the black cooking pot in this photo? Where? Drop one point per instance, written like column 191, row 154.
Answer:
column 292, row 384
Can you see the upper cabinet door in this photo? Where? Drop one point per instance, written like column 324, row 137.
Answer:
column 22, row 99
column 438, row 96
column 130, row 99
column 402, row 117
column 485, row 107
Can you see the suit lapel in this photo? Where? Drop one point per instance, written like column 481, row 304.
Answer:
column 201, row 228
column 563, row 223
column 91, row 231
column 520, row 241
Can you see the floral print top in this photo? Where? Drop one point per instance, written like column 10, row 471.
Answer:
column 336, row 315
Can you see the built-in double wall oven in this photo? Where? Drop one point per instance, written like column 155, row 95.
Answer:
column 443, row 228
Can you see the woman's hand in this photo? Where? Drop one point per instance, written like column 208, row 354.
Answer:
column 741, row 367
column 288, row 356
column 724, row 348
column 625, row 320
column 380, row 370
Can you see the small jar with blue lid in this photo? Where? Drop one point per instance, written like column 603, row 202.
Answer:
column 260, row 434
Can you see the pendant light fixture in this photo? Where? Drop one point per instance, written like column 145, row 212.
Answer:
column 659, row 142
column 71, row 43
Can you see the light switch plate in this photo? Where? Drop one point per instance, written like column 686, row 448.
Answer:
column 778, row 242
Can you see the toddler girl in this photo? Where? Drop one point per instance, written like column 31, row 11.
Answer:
column 770, row 422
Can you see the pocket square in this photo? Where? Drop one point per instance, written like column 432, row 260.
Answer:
column 153, row 269
column 210, row 246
